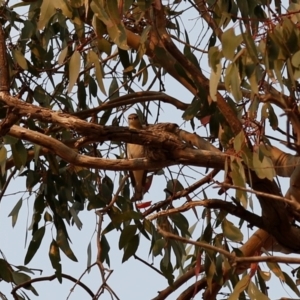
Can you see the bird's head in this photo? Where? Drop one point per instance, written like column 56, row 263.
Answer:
column 134, row 121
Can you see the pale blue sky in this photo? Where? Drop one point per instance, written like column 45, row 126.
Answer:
column 131, row 280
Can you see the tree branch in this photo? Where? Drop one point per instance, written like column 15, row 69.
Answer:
column 49, row 278
column 238, row 211
column 176, row 284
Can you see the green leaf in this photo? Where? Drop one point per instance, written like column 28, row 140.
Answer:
column 62, row 56
column 181, row 222
column 20, row 59
column 158, row 246
column 232, row 82
column 210, row 270
column 254, row 293
column 55, row 259
column 24, row 269
column 289, row 281
column 3, row 158
column 231, row 232
column 34, row 244
column 5, row 271
column 239, row 287
column 76, row 219
column 229, row 43
column 89, row 256
column 264, row 168
column 274, row 267
column 251, row 47
column 41, row 96
column 15, row 212
column 113, row 11
column 244, row 9
column 19, row 154
column 105, row 250
column 239, row 179
column 126, row 235
column 113, row 90
column 33, row 177
column 131, row 248
column 174, row 186
column 74, row 68
column 19, row 277
column 118, row 35
column 63, row 244
column 188, row 53
column 28, row 30
column 47, row 11
column 192, row 109
column 166, row 267
column 239, row 141
column 214, row 80
column 93, row 58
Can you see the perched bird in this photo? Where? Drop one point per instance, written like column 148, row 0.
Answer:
column 138, row 177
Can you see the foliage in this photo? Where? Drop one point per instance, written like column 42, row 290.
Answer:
column 71, row 70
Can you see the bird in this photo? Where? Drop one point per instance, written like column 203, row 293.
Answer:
column 138, row 177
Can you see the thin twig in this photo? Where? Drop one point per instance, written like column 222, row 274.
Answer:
column 238, row 211
column 176, row 284
column 104, row 285
column 233, row 259
column 295, row 204
column 78, row 280
column 49, row 278
column 147, row 264
column 169, row 235
column 7, row 183
column 182, row 193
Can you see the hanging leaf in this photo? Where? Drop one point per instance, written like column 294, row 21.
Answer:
column 34, row 244
column 239, row 287
column 15, row 212
column 19, row 153
column 230, row 42
column 62, row 56
column 131, row 248
column 231, row 232
column 3, row 158
column 55, row 259
column 63, row 244
column 274, row 267
column 254, row 293
column 113, row 90
column 5, row 271
column 74, row 68
column 89, row 257
column 20, row 59
column 47, row 11
column 214, row 80
column 126, row 235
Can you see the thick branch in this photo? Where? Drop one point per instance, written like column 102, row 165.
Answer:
column 186, row 157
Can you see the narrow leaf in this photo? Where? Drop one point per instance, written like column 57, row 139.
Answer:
column 74, row 68
column 231, row 232
column 15, row 212
column 34, row 244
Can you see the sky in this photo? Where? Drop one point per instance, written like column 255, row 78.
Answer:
column 131, row 280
